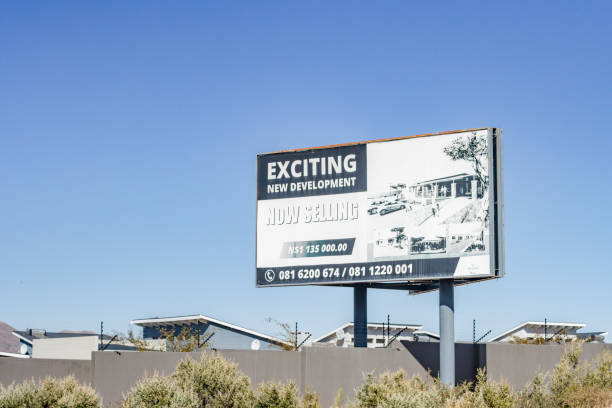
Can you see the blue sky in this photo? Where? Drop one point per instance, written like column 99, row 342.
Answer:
column 129, row 132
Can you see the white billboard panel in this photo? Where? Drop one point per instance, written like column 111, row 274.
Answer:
column 407, row 209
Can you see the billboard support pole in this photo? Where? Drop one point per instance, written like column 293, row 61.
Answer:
column 447, row 332
column 360, row 315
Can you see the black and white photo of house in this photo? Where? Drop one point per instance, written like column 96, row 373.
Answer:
column 418, row 216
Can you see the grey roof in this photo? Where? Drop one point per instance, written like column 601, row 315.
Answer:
column 394, row 326
column 552, row 326
column 443, row 179
column 29, row 335
column 195, row 319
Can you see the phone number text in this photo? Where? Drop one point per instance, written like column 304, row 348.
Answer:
column 341, row 272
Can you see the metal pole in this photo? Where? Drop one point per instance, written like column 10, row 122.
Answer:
column 388, row 328
column 447, row 332
column 360, row 314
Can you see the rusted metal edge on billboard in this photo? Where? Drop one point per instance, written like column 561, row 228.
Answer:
column 374, row 141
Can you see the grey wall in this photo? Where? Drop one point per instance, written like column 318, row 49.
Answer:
column 324, row 370
column 21, row 369
column 113, row 374
column 328, row 370
column 468, row 357
column 321, row 369
column 517, row 364
column 73, row 347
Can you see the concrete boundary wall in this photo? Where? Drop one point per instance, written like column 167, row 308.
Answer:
column 517, row 364
column 324, row 370
column 22, row 369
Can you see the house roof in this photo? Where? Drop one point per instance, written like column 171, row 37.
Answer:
column 586, row 335
column 427, row 333
column 8, row 342
column 195, row 319
column 15, row 355
column 29, row 336
column 393, row 326
column 443, row 179
column 552, row 327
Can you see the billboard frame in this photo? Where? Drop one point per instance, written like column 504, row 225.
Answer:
column 426, row 284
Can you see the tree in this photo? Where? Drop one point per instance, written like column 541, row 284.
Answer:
column 286, row 334
column 472, row 148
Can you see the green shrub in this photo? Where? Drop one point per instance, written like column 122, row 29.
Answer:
column 18, row 395
column 582, row 385
column 55, row 393
column 216, row 383
column 278, row 395
column 395, row 390
column 158, row 392
column 310, row 399
column 211, row 382
column 535, row 395
column 490, row 393
column 571, row 383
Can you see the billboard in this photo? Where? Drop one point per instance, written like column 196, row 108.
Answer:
column 409, row 209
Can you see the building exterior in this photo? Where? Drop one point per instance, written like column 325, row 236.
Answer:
column 38, row 343
column 379, row 334
column 533, row 330
column 394, row 194
column 70, row 348
column 224, row 335
column 458, row 185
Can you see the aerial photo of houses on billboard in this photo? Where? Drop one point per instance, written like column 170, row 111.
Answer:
column 437, row 204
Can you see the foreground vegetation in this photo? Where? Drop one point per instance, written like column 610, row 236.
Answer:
column 213, row 382
column 216, row 382
column 570, row 384
column 50, row 393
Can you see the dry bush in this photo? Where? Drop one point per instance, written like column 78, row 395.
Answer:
column 574, row 384
column 159, row 392
column 216, row 381
column 396, row 390
column 51, row 392
column 213, row 382
column 279, row 395
column 210, row 382
column 570, row 384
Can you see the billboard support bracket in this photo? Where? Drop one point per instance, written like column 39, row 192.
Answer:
column 360, row 315
column 447, row 332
